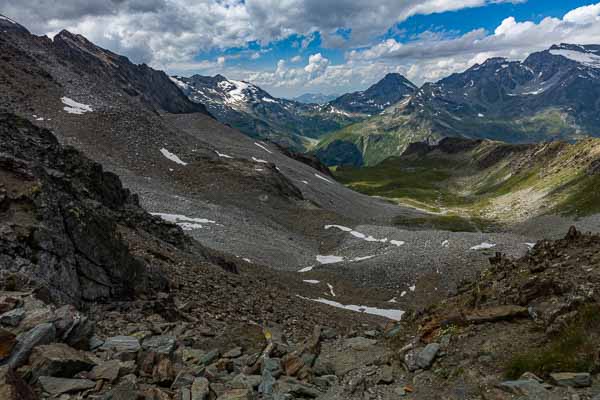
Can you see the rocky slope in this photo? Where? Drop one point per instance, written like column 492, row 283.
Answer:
column 550, row 95
column 258, row 114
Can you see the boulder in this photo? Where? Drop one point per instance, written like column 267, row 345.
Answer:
column 499, row 313
column 107, row 371
column 8, row 303
column 359, row 343
column 237, row 394
column 40, row 335
column 200, row 389
column 58, row 386
column 12, row 317
column 233, row 353
column 426, row 356
column 8, row 340
column 530, row 389
column 295, row 388
column 127, row 344
column 74, row 328
column 163, row 373
column 13, row 387
column 571, row 379
column 160, row 344
column 243, row 381
column 58, row 360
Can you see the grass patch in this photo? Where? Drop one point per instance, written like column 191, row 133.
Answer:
column 583, row 198
column 452, row 223
column 574, row 349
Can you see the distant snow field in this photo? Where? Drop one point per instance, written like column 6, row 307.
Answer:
column 186, row 223
column 172, row 157
column 73, row 107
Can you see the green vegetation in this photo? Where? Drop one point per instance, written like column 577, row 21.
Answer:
column 486, row 184
column 452, row 223
column 573, row 349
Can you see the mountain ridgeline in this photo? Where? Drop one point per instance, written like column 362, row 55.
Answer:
column 297, row 124
column 553, row 94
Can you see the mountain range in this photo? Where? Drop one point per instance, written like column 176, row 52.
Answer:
column 552, row 94
column 149, row 250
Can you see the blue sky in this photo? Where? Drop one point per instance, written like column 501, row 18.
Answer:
column 330, row 46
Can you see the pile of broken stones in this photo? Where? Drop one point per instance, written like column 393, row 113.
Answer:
column 50, row 352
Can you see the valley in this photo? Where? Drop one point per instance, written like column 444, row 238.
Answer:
column 195, row 238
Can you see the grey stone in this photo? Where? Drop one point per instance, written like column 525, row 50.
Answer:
column 532, row 390
column 243, row 381
column 427, row 355
column 233, row 353
column 160, row 344
column 41, row 334
column 58, row 360
column 287, row 385
column 56, row 386
column 237, row 394
column 209, row 357
column 108, row 371
column 95, row 342
column 359, row 343
column 13, row 317
column 126, row 344
column 183, row 379
column 386, row 375
column 572, row 379
column 200, row 389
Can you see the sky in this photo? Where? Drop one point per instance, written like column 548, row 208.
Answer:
column 291, row 47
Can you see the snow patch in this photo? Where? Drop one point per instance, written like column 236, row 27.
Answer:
column 306, row 269
column 311, row 281
column 186, row 223
column 323, row 178
column 329, row 259
column 483, row 246
column 362, row 236
column 330, row 286
column 585, row 58
column 73, row 107
column 446, row 244
column 395, row 315
column 172, row 157
column 263, row 147
column 258, row 160
column 222, row 155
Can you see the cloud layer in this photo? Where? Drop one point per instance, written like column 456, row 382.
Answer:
column 170, row 34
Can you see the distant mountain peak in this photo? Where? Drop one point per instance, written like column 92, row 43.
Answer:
column 386, row 92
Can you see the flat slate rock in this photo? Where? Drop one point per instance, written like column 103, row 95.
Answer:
column 127, row 344
column 41, row 334
column 57, row 386
column 572, row 379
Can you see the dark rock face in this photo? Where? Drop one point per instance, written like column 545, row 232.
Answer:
column 153, row 87
column 62, row 217
column 341, row 153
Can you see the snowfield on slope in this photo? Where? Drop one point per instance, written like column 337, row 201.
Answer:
column 73, row 107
